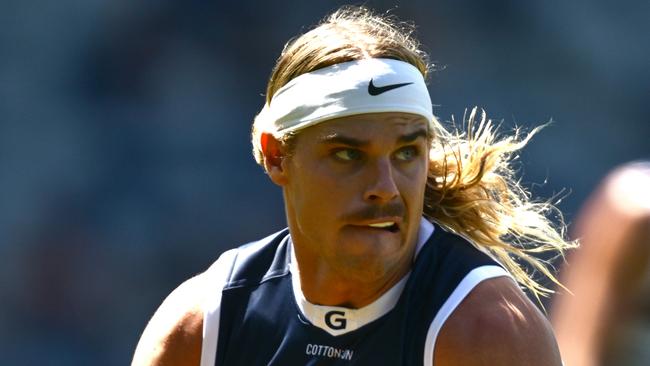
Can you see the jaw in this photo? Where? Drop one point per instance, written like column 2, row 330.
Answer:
column 352, row 265
column 370, row 254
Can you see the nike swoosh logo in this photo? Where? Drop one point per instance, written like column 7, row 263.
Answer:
column 376, row 90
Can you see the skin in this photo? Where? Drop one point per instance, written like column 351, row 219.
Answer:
column 174, row 334
column 496, row 324
column 339, row 177
column 607, row 274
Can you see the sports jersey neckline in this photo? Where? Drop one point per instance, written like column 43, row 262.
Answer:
column 337, row 320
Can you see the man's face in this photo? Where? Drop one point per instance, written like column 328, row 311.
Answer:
column 354, row 189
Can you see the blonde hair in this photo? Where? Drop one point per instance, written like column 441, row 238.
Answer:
column 471, row 186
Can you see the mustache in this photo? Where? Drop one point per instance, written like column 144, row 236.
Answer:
column 376, row 212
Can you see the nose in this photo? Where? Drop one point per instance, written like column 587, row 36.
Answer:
column 381, row 187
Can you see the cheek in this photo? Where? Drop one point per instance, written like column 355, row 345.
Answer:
column 318, row 180
column 413, row 186
column 317, row 195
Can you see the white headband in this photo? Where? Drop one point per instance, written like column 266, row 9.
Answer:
column 355, row 87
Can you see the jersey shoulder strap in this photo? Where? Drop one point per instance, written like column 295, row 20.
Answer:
column 247, row 265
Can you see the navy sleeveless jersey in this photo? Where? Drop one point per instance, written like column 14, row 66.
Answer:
column 260, row 322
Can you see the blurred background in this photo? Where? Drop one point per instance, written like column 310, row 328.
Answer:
column 125, row 162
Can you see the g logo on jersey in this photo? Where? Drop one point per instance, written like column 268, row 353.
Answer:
column 335, row 320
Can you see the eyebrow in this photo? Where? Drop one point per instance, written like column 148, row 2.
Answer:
column 336, row 138
column 413, row 136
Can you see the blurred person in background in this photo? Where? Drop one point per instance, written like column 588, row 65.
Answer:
column 606, row 319
column 403, row 238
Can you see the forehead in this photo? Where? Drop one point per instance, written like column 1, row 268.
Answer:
column 368, row 126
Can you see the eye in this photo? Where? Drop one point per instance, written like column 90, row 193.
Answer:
column 407, row 153
column 348, row 154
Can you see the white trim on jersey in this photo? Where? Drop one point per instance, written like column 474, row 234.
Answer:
column 337, row 320
column 215, row 280
column 471, row 280
column 424, row 233
column 217, row 275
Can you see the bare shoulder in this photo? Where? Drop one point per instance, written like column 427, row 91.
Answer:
column 173, row 336
column 496, row 324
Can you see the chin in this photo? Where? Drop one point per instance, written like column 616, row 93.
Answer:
column 362, row 242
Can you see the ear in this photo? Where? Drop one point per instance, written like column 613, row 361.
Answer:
column 273, row 152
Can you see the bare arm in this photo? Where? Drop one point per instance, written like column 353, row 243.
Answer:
column 604, row 274
column 496, row 325
column 174, row 334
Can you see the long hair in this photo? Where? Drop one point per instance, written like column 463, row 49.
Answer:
column 472, row 189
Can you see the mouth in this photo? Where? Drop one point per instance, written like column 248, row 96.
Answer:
column 390, row 226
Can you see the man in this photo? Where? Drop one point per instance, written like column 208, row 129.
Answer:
column 605, row 321
column 360, row 277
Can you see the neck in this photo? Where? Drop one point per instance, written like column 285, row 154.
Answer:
column 323, row 285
